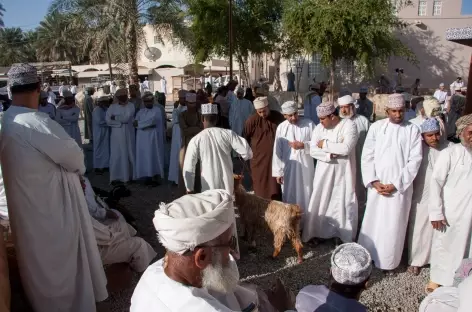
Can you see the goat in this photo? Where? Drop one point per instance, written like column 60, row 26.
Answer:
column 282, row 219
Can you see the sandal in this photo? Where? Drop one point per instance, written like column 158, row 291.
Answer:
column 431, row 287
column 414, row 270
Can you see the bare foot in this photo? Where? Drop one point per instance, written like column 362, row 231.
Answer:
column 414, row 270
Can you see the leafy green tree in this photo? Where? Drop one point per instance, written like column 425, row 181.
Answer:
column 363, row 31
column 120, row 24
column 16, row 47
column 255, row 28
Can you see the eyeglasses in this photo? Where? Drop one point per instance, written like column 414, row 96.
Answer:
column 232, row 245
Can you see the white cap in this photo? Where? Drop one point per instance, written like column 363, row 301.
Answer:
column 209, row 109
column 346, row 100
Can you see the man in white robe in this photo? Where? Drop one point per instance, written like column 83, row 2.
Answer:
column 456, row 85
column 292, row 164
column 55, row 244
column 312, row 100
column 67, row 115
column 347, row 110
column 450, row 207
column 119, row 117
column 46, row 107
column 101, row 133
column 332, row 212
column 420, row 114
column 212, row 146
column 164, row 85
column 239, row 112
column 176, row 143
column 198, row 273
column 116, row 239
column 420, row 233
column 148, row 123
column 391, row 158
column 410, row 112
column 441, row 95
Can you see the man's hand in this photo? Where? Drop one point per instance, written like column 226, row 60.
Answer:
column 280, row 180
column 297, row 145
column 379, row 187
column 389, row 189
column 439, row 225
column 111, row 215
column 135, row 123
column 112, row 117
column 320, row 144
column 333, row 156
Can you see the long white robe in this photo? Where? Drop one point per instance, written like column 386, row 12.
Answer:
column 174, row 166
column 212, row 147
column 420, row 233
column 362, row 125
column 115, row 238
column 56, row 249
column 295, row 166
column 309, row 106
column 157, row 292
column 69, row 120
column 239, row 112
column 392, row 154
column 451, row 198
column 101, row 142
column 49, row 109
column 122, row 142
column 332, row 211
column 148, row 143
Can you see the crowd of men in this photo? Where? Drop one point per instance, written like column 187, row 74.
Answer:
column 396, row 180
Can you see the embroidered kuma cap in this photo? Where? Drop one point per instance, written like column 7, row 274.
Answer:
column 22, row 74
column 209, row 109
column 430, row 125
column 325, row 109
column 351, row 264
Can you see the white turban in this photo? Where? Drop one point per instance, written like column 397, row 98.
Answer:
column 289, row 108
column 193, row 220
column 345, row 100
column 261, row 102
column 431, row 106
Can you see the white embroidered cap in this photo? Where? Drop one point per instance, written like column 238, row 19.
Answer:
column 289, row 107
column 351, row 264
column 395, row 101
column 209, row 109
column 430, row 125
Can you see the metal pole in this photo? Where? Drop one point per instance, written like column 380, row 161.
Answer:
column 230, row 31
column 109, row 61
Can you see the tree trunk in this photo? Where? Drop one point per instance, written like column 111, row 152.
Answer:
column 244, row 69
column 132, row 48
column 277, row 57
column 332, row 69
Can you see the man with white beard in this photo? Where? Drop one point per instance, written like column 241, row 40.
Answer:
column 332, row 212
column 347, row 110
column 450, row 207
column 420, row 233
column 198, row 273
column 120, row 117
column 149, row 142
column 391, row 158
column 292, row 164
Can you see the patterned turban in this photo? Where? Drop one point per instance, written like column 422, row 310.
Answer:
column 463, row 122
column 289, row 107
column 431, row 106
column 351, row 264
column 325, row 109
column 192, row 220
column 209, row 109
column 395, row 101
column 430, row 125
column 22, row 74
column 261, row 102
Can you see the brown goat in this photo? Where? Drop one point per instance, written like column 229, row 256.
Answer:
column 256, row 213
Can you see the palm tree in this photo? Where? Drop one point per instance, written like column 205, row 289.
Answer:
column 120, row 23
column 58, row 38
column 12, row 45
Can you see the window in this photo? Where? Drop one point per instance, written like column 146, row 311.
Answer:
column 422, row 8
column 315, row 68
column 156, row 39
column 437, row 8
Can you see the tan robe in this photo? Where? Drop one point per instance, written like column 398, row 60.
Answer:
column 117, row 244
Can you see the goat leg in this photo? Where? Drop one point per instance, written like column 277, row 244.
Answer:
column 297, row 244
column 279, row 240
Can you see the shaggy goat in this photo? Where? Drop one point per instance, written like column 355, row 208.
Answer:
column 283, row 220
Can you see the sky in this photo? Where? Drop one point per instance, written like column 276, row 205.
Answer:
column 27, row 14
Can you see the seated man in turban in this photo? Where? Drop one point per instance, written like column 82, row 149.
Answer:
column 198, row 273
column 351, row 266
column 115, row 238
